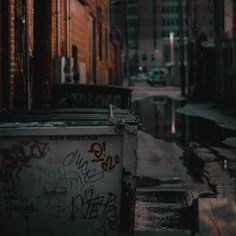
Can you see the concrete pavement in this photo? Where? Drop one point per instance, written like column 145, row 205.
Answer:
column 174, row 233
column 147, row 156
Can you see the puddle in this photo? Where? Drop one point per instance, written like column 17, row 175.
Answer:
column 159, row 118
column 206, row 156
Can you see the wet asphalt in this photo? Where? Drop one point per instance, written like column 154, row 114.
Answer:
column 183, row 161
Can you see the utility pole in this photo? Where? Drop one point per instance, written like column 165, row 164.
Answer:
column 190, row 47
column 219, row 37
column 182, row 66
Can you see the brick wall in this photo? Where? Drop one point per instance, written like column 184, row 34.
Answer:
column 78, row 23
column 79, row 36
column 10, row 47
column 0, row 54
column 54, row 28
column 31, row 32
column 12, row 54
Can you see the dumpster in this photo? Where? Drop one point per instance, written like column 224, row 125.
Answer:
column 90, row 96
column 67, row 172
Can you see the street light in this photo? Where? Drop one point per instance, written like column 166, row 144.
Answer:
column 171, row 37
column 181, row 42
column 172, row 55
column 127, row 59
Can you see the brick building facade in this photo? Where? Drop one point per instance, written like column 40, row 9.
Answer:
column 0, row 52
column 43, row 39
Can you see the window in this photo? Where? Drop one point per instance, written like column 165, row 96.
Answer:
column 210, row 21
column 154, row 35
column 154, row 11
column 132, row 10
column 163, row 9
column 167, row 9
column 211, row 34
column 152, row 57
column 144, row 57
column 177, row 9
column 132, row 34
column 132, row 23
column 106, row 46
column 172, row 21
column 154, row 44
column 132, row 44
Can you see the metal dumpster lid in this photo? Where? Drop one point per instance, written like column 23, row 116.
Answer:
column 92, row 96
column 64, row 117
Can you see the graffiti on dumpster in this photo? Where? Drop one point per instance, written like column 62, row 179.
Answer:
column 13, row 161
column 88, row 205
column 108, row 162
column 75, row 163
column 39, row 177
column 73, row 138
column 80, row 100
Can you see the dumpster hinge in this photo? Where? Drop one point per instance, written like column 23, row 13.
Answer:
column 120, row 123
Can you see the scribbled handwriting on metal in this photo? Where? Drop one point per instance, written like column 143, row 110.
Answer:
column 108, row 162
column 73, row 138
column 88, row 205
column 12, row 162
column 75, row 160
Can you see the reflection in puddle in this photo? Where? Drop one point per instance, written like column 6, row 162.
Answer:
column 160, row 119
column 207, row 158
column 173, row 118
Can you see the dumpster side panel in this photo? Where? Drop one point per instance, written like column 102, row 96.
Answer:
column 60, row 185
column 128, row 184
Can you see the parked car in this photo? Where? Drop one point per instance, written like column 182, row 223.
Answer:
column 158, row 77
column 150, row 73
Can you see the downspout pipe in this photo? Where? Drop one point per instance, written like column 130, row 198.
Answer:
column 58, row 27
column 29, row 82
